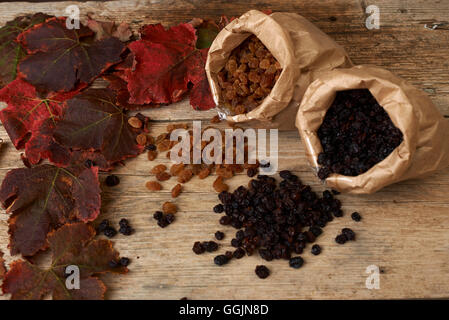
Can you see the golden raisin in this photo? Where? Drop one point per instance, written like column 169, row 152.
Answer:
column 141, row 139
column 135, row 122
column 176, row 169
column 169, row 207
column 185, row 175
column 158, row 169
column 163, row 176
column 176, row 190
column 153, row 186
column 219, row 185
column 152, row 155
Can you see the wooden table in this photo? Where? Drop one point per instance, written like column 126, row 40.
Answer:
column 405, row 227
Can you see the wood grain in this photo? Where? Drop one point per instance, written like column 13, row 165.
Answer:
column 405, row 227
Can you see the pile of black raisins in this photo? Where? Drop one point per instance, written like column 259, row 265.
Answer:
column 277, row 221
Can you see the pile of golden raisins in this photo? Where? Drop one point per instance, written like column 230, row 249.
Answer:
column 248, row 76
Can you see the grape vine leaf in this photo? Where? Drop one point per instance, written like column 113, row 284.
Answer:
column 11, row 52
column 43, row 198
column 29, row 120
column 71, row 245
column 59, row 58
column 93, row 121
column 167, row 62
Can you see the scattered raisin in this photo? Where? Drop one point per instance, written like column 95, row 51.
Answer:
column 153, row 186
column 349, row 234
column 198, row 248
column 124, row 262
column 158, row 215
column 356, row 216
column 176, row 190
column 141, row 139
column 262, row 272
column 158, row 169
column 316, row 249
column 296, row 262
column 169, row 207
column 219, row 235
column 221, row 260
column 163, row 176
column 135, row 122
column 109, row 232
column 112, row 180
column 341, row 239
column 219, row 208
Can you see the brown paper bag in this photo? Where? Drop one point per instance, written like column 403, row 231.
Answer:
column 302, row 49
column 425, row 147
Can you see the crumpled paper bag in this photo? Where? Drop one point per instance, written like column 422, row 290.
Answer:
column 425, row 147
column 302, row 49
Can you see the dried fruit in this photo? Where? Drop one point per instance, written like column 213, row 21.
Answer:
column 141, row 139
column 112, row 180
column 153, row 186
column 125, row 227
column 72, row 244
column 356, row 134
column 176, row 190
column 185, row 175
column 221, row 260
column 219, row 208
column 169, row 207
column 176, row 169
column 219, row 235
column 135, row 122
column 204, row 173
column 248, row 76
column 277, row 220
column 210, row 246
column 163, row 176
column 262, row 272
column 348, row 233
column 316, row 249
column 51, row 196
column 356, row 216
column 158, row 215
column 219, row 185
column 296, row 262
column 152, row 155
column 198, row 248
column 158, row 169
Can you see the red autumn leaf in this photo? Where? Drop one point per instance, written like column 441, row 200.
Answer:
column 11, row 52
column 92, row 121
column 42, row 198
column 71, row 245
column 29, row 121
column 167, row 62
column 59, row 58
